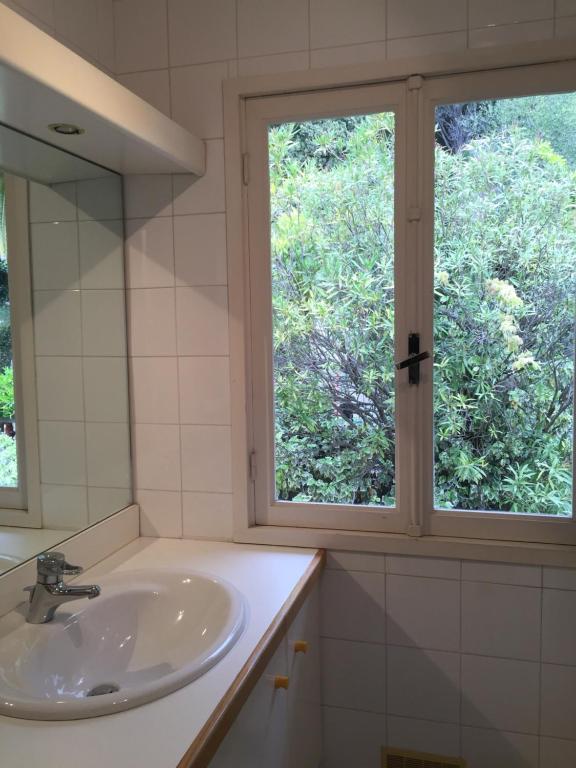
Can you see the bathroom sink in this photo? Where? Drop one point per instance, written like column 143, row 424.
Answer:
column 8, row 561
column 148, row 634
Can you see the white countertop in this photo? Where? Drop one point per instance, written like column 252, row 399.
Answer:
column 157, row 735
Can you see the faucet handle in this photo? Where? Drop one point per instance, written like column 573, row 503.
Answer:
column 51, row 566
column 72, row 570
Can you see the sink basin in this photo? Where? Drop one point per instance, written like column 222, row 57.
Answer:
column 8, row 561
column 148, row 634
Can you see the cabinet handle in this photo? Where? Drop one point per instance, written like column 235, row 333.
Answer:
column 281, row 681
column 301, row 646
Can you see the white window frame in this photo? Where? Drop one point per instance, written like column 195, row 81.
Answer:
column 514, row 82
column 260, row 114
column 21, row 506
column 456, row 534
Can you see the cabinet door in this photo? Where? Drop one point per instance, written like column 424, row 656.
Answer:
column 278, row 727
column 257, row 738
column 304, row 728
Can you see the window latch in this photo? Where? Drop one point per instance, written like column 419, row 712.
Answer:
column 415, row 358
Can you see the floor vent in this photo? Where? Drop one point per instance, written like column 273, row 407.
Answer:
column 400, row 758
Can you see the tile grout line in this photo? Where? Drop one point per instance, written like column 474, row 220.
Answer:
column 309, row 34
column 386, row 703
column 426, row 649
column 460, row 664
column 82, row 355
column 178, row 390
column 541, row 649
column 444, row 722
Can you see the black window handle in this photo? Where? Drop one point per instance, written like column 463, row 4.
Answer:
column 412, row 360
column 415, row 358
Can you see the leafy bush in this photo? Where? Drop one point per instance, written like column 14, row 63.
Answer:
column 7, row 406
column 8, row 462
column 504, row 316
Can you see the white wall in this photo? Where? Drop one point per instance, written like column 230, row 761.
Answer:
column 85, row 26
column 175, row 54
column 471, row 659
column 76, row 238
column 436, row 655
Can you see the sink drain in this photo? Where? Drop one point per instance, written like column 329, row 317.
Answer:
column 103, row 688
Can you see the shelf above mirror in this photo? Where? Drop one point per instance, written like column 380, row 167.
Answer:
column 44, row 84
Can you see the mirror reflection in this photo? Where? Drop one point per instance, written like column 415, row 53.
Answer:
column 64, row 420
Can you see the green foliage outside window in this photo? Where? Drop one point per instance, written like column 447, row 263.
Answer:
column 8, row 455
column 8, row 461
column 505, row 244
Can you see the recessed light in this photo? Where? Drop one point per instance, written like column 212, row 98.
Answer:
column 66, row 128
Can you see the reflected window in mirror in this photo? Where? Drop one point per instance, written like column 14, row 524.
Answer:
column 11, row 476
column 8, row 453
column 63, row 342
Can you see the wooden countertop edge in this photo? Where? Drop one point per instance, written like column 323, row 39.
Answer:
column 206, row 743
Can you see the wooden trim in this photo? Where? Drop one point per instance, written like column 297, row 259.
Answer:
column 206, row 743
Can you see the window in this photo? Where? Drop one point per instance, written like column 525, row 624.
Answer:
column 10, row 469
column 432, row 215
column 8, row 454
column 19, row 483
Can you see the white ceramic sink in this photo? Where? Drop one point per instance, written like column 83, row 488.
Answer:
column 8, row 561
column 148, row 634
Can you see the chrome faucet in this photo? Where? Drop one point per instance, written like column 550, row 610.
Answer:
column 50, row 591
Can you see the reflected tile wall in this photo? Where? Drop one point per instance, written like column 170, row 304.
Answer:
column 77, row 257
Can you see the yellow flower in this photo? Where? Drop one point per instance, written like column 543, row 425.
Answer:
column 524, row 360
column 504, row 291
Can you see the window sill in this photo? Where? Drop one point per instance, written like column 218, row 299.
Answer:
column 528, row 553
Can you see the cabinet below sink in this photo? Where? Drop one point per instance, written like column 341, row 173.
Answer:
column 279, row 725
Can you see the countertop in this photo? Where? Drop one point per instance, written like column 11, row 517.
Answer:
column 158, row 734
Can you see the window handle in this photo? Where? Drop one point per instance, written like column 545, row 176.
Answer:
column 412, row 360
column 415, row 357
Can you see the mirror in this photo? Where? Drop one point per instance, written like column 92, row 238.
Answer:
column 64, row 414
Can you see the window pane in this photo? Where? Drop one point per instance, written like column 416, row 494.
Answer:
column 505, row 245
column 332, row 230
column 8, row 454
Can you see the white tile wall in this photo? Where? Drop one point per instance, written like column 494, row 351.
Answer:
column 412, row 607
column 481, row 748
column 174, row 342
column 423, row 735
column 272, row 26
column 175, row 54
column 339, row 22
column 196, row 94
column 485, row 13
column 499, row 696
column 423, row 684
column 55, row 255
column 153, row 86
column 352, row 738
column 141, row 32
column 150, row 253
column 85, row 26
column 79, row 325
column 407, row 18
column 354, row 675
column 207, row 515
column 499, row 620
column 363, row 594
column 511, row 34
column 558, row 714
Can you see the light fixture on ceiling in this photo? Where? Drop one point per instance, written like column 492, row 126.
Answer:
column 66, row 129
